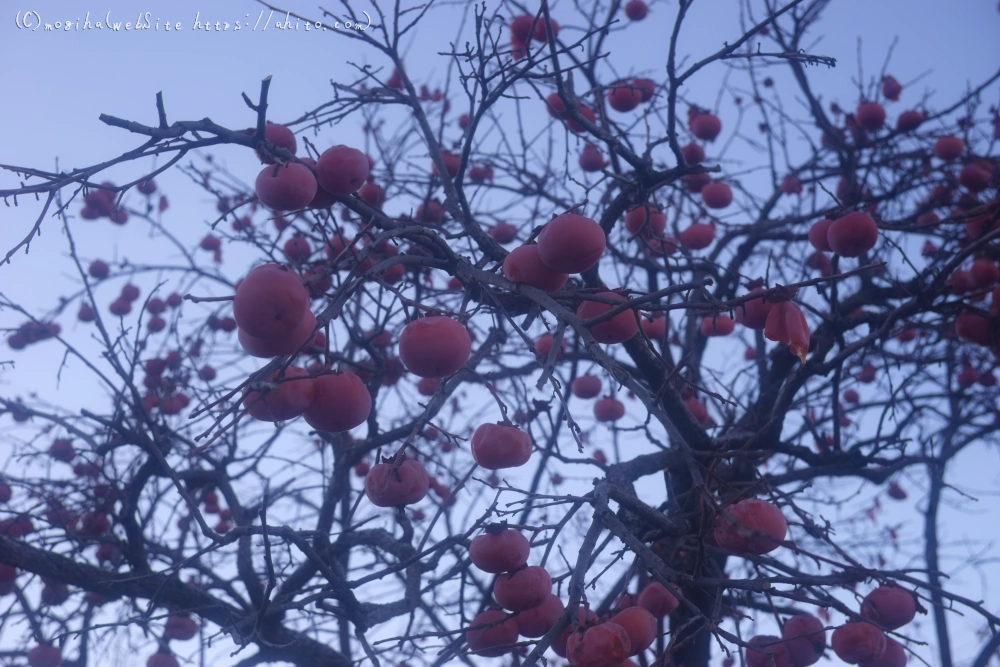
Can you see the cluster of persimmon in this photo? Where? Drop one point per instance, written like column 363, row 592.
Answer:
column 32, row 332
column 569, row 243
column 101, row 203
column 122, row 305
column 802, row 642
column 527, row 607
column 165, row 389
column 864, row 641
column 93, row 526
column 339, row 171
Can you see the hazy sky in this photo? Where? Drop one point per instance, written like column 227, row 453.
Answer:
column 59, row 82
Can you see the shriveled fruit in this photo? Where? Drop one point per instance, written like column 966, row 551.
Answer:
column 499, row 550
column 571, row 243
column 618, row 329
column 434, row 346
column 855, row 642
column 496, row 446
column 523, row 589
column 891, row 607
column 786, row 324
column 490, row 636
column 604, row 645
column 639, row 625
column 340, row 402
column 406, row 485
column 523, row 265
column 759, row 517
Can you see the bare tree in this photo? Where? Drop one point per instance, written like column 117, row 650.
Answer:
column 772, row 347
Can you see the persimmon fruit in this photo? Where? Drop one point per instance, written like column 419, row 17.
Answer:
column 406, row 485
column 522, row 589
column 757, row 516
column 499, row 550
column 340, row 402
column 496, row 446
column 571, row 243
column 434, row 346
